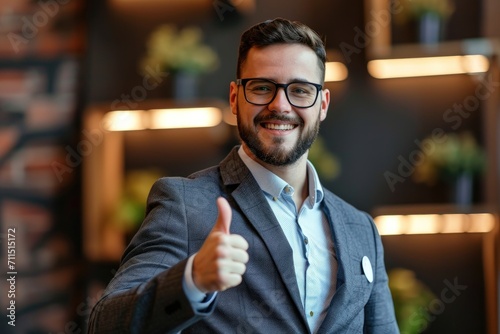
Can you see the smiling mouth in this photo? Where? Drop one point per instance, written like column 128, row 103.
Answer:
column 279, row 127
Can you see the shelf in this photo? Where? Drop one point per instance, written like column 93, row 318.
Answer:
column 379, row 17
column 479, row 46
column 404, row 224
column 433, row 208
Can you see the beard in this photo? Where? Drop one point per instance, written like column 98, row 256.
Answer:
column 275, row 154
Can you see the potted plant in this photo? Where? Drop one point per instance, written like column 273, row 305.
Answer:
column 412, row 299
column 457, row 160
column 182, row 53
column 131, row 209
column 430, row 16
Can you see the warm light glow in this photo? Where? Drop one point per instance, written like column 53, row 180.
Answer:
column 423, row 224
column 129, row 120
column 335, row 71
column 390, row 225
column 427, row 66
column 124, row 120
column 452, row 223
column 481, row 223
column 434, row 223
column 184, row 118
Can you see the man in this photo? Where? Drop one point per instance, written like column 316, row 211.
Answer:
column 256, row 245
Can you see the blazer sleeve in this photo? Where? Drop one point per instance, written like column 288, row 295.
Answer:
column 146, row 294
column 379, row 311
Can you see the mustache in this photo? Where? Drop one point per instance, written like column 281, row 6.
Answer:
column 277, row 117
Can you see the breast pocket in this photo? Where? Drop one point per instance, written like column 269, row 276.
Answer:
column 361, row 284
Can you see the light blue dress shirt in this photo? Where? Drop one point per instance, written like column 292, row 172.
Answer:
column 309, row 234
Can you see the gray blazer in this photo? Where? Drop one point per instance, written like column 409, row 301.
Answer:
column 146, row 294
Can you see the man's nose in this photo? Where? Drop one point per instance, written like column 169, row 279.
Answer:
column 280, row 102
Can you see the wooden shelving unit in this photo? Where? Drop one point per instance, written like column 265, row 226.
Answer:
column 104, row 171
column 381, row 47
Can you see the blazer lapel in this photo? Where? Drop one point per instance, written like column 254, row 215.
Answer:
column 337, row 311
column 254, row 206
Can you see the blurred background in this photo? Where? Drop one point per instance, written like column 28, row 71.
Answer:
column 99, row 98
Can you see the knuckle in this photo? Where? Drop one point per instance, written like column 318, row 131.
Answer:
column 221, row 252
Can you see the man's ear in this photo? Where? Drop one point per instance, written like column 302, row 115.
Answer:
column 233, row 97
column 325, row 102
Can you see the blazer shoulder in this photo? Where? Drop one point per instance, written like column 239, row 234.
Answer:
column 211, row 174
column 231, row 170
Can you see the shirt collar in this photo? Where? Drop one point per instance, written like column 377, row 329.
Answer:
column 274, row 185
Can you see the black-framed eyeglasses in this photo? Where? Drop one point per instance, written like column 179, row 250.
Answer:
column 259, row 91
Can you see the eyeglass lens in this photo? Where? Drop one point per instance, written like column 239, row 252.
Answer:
column 300, row 94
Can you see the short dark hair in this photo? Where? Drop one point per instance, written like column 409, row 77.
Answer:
column 280, row 31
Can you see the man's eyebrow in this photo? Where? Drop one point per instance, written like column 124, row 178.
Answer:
column 296, row 79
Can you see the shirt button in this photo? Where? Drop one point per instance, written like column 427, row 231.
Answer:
column 306, row 241
column 288, row 190
column 311, row 313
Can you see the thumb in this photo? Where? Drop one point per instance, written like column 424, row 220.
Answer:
column 223, row 222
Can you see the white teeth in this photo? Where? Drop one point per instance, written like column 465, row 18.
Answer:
column 278, row 126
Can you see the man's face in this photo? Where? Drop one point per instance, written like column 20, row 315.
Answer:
column 278, row 133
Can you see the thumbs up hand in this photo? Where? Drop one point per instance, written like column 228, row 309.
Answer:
column 220, row 263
